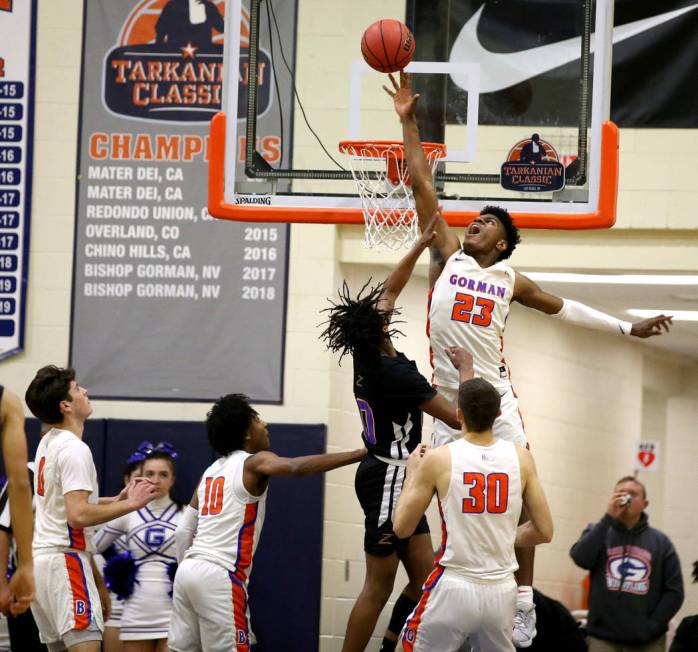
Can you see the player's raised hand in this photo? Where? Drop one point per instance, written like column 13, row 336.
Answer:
column 653, row 326
column 459, row 357
column 141, row 492
column 414, row 461
column 429, row 232
column 403, row 99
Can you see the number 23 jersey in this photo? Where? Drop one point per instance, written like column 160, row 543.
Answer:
column 468, row 307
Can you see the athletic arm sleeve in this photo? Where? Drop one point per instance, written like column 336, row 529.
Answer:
column 76, row 467
column 581, row 315
column 672, row 592
column 186, row 529
column 585, row 553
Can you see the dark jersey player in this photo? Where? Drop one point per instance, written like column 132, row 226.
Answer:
column 391, row 395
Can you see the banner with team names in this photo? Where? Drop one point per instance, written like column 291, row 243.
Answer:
column 169, row 303
column 17, row 64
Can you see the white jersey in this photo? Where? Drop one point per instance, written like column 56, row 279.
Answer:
column 469, row 307
column 63, row 463
column 230, row 518
column 480, row 512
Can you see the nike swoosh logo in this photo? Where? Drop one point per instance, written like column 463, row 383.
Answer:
column 502, row 70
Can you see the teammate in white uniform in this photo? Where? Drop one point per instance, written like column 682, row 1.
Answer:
column 67, row 608
column 220, row 529
column 472, row 290
column 149, row 537
column 482, row 482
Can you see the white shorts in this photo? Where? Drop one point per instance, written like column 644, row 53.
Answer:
column 210, row 612
column 66, row 596
column 508, row 425
column 453, row 609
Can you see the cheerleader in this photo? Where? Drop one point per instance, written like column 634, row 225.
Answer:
column 114, row 555
column 147, row 570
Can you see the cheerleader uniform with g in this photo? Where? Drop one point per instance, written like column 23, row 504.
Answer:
column 149, row 534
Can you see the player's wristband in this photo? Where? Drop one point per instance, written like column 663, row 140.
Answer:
column 577, row 313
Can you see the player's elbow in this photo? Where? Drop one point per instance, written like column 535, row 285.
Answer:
column 546, row 534
column 76, row 518
column 401, row 526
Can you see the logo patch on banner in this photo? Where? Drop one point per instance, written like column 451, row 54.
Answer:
column 5, row 5
column 168, row 63
column 532, row 165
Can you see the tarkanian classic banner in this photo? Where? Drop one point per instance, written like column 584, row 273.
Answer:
column 167, row 302
column 17, row 64
column 655, row 58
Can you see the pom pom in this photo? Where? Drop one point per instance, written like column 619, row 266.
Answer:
column 120, row 575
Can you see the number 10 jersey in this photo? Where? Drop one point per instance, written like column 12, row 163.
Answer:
column 468, row 307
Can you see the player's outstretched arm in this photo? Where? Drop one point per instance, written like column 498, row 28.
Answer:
column 426, row 201
column 531, row 295
column 423, row 467
column 539, row 529
column 438, row 407
column 266, row 463
column 395, row 283
column 19, row 492
column 80, row 513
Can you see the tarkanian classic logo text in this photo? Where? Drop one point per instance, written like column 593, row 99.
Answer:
column 532, row 165
column 168, row 62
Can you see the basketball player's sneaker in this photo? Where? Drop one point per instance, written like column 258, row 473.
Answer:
column 524, row 625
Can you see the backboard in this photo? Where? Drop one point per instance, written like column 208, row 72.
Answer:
column 511, row 88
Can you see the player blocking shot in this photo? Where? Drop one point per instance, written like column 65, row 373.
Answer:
column 219, row 531
column 472, row 288
column 482, row 483
column 390, row 395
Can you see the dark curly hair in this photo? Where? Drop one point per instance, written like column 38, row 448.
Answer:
column 511, row 232
column 357, row 326
column 50, row 386
column 227, row 423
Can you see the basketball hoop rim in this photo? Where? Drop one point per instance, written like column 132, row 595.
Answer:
column 378, row 148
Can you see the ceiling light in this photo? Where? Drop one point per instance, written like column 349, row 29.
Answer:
column 678, row 315
column 614, row 279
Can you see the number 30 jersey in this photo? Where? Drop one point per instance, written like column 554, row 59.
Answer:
column 230, row 518
column 468, row 307
column 480, row 512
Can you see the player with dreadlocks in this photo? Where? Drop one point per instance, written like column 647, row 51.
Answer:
column 391, row 395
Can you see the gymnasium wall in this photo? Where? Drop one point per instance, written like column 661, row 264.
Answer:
column 587, row 397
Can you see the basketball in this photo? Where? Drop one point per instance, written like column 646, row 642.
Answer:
column 387, row 45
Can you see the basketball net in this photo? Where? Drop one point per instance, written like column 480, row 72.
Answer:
column 386, row 193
